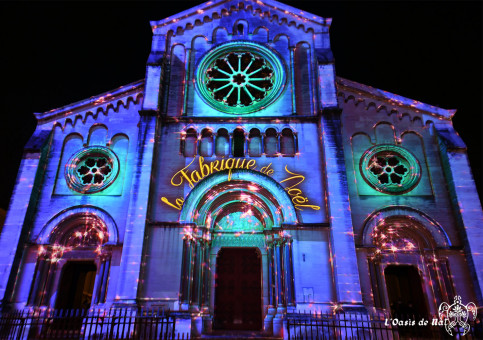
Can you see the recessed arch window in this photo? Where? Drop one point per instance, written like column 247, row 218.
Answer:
column 190, row 142
column 222, row 147
column 287, row 142
column 255, row 143
column 271, row 142
column 238, row 143
column 206, row 144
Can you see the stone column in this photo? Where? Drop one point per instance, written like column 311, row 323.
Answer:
column 346, row 273
column 271, row 310
column 21, row 211
column 38, row 283
column 465, row 200
column 131, row 257
column 101, row 285
column 288, row 273
column 186, row 267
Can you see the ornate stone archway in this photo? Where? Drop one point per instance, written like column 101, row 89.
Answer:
column 248, row 210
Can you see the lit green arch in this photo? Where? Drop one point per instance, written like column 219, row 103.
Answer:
column 216, row 193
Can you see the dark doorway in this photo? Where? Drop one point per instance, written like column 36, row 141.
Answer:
column 238, row 289
column 76, row 285
column 405, row 292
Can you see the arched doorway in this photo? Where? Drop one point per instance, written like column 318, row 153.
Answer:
column 238, row 289
column 405, row 292
column 409, row 274
column 76, row 285
column 234, row 220
column 74, row 260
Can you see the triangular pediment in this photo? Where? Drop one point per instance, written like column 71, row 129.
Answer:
column 275, row 11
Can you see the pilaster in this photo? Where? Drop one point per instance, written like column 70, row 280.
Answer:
column 346, row 273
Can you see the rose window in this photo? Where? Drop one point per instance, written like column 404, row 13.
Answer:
column 92, row 169
column 240, row 77
column 390, row 169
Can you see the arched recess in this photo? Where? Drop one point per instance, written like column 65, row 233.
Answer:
column 255, row 186
column 82, row 212
column 426, row 224
column 176, row 85
column 227, row 199
column 74, row 259
column 404, row 239
column 303, row 79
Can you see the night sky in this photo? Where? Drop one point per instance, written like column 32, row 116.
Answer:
column 56, row 53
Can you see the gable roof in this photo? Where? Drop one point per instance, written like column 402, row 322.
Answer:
column 393, row 98
column 100, row 102
column 271, row 8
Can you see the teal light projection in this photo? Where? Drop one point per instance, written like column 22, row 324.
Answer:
column 390, row 169
column 240, row 222
column 240, row 77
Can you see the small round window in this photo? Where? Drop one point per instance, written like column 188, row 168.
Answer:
column 92, row 169
column 240, row 78
column 390, row 169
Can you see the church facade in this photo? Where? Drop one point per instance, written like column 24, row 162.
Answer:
column 242, row 180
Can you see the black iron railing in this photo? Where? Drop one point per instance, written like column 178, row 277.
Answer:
column 313, row 326
column 99, row 324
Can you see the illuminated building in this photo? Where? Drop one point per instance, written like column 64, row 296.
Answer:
column 242, row 180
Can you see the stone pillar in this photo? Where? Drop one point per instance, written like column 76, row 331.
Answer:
column 184, row 295
column 101, row 284
column 288, row 273
column 271, row 310
column 279, row 271
column 197, row 274
column 38, row 283
column 21, row 211
column 466, row 203
column 376, row 283
column 131, row 257
column 346, row 273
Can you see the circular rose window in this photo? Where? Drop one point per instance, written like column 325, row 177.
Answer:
column 390, row 169
column 240, row 77
column 92, row 169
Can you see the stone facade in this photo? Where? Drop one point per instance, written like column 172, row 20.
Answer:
column 241, row 136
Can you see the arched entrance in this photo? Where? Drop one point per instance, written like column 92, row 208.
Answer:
column 238, row 289
column 74, row 257
column 405, row 292
column 408, row 272
column 76, row 285
column 234, row 228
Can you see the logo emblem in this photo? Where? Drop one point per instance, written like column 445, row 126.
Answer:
column 456, row 315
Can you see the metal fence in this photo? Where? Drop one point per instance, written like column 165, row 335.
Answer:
column 310, row 326
column 89, row 324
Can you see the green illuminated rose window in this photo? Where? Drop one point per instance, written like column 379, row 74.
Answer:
column 92, row 169
column 240, row 77
column 390, row 169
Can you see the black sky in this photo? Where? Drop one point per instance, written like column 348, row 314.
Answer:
column 56, row 53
